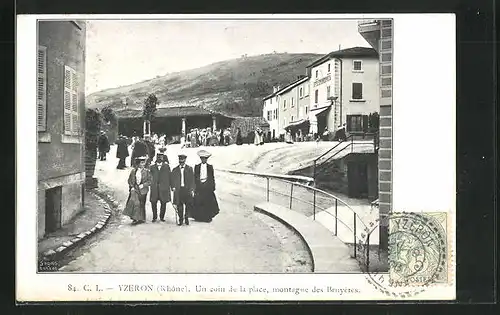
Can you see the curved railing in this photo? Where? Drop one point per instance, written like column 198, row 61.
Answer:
column 327, row 203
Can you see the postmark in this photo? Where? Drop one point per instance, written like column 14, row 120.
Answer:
column 417, row 254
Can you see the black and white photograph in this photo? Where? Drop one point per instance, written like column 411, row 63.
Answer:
column 219, row 145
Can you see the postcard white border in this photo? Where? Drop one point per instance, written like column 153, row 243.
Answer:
column 423, row 168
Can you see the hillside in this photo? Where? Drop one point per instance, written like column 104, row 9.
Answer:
column 233, row 87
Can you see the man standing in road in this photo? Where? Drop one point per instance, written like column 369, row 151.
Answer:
column 160, row 185
column 183, row 187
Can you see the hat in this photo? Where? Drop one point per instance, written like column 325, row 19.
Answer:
column 204, row 154
column 182, row 154
column 141, row 158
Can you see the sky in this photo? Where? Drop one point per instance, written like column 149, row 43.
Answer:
column 122, row 52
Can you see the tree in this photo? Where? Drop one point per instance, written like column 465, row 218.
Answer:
column 148, row 111
column 109, row 116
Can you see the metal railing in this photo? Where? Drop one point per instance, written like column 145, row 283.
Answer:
column 295, row 196
column 350, row 144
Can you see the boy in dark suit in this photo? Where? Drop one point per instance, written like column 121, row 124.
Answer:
column 183, row 187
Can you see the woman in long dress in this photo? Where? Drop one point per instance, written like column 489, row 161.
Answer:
column 239, row 140
column 139, row 181
column 205, row 202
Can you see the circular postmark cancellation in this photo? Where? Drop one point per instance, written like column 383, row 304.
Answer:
column 417, row 254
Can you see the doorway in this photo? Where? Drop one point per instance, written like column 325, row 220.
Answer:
column 357, row 179
column 53, row 202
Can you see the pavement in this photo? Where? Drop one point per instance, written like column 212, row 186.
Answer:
column 90, row 220
column 237, row 240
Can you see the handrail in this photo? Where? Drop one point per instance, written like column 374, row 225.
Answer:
column 351, row 137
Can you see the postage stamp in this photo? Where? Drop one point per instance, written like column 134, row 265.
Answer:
column 417, row 249
column 418, row 254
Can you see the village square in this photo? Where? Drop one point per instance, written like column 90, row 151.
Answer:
column 270, row 163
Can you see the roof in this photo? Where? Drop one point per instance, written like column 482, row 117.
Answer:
column 367, row 52
column 269, row 96
column 292, row 85
column 252, row 120
column 177, row 111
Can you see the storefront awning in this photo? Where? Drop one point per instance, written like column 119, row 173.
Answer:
column 298, row 124
column 321, row 110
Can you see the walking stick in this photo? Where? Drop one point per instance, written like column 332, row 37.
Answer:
column 176, row 214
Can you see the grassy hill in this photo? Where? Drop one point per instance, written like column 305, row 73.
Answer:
column 232, row 86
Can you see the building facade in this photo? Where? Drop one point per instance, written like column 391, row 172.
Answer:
column 60, row 122
column 344, row 89
column 270, row 112
column 289, row 105
column 379, row 34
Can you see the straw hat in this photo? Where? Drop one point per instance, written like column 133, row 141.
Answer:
column 204, row 154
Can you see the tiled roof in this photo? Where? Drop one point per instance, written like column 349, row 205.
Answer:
column 348, row 52
column 177, row 111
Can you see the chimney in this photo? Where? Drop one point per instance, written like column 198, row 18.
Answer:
column 300, row 77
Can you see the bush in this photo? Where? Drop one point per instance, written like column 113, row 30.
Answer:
column 92, row 128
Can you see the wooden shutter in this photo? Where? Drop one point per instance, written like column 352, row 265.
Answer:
column 41, row 88
column 365, row 123
column 349, row 123
column 70, row 101
column 357, row 91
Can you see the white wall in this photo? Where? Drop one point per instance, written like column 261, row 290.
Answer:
column 271, row 105
column 322, row 70
column 369, row 77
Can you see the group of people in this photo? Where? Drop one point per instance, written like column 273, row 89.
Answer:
column 193, row 189
column 206, row 137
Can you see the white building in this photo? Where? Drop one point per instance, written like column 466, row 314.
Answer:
column 344, row 88
column 291, row 103
column 270, row 112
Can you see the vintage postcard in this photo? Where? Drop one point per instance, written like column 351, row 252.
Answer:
column 235, row 157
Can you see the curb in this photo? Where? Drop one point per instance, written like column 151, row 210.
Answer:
column 307, row 180
column 54, row 254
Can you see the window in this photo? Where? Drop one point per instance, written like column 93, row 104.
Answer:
column 328, row 67
column 284, row 104
column 292, row 102
column 307, row 110
column 357, row 65
column 316, row 74
column 71, row 114
column 42, row 89
column 292, row 119
column 316, row 97
column 275, row 114
column 271, row 100
column 269, row 115
column 357, row 91
column 327, row 92
column 386, row 69
column 357, row 123
column 300, row 92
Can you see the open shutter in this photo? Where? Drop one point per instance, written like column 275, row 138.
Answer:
column 67, row 101
column 365, row 123
column 41, row 88
column 75, row 117
column 349, row 123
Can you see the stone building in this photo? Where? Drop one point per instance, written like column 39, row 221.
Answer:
column 60, row 122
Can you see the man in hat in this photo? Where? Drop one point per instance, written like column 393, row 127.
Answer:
column 160, row 185
column 183, row 187
column 205, row 202
column 140, row 148
column 151, row 149
column 103, row 146
column 121, row 151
